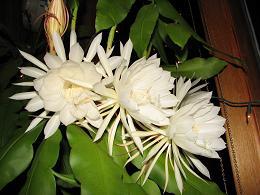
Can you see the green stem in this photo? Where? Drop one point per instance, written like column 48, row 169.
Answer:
column 74, row 17
column 148, row 50
column 111, row 37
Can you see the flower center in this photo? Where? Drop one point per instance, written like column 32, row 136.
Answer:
column 141, row 97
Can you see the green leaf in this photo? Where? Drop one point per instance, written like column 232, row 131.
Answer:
column 162, row 29
column 40, row 179
column 66, row 180
column 167, row 10
column 158, row 44
column 194, row 185
column 158, row 174
column 178, row 33
column 111, row 13
column 17, row 155
column 198, row 68
column 142, row 29
column 150, row 187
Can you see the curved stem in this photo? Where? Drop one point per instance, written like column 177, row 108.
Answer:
column 74, row 16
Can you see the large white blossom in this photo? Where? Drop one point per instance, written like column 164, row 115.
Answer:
column 195, row 128
column 63, row 87
column 141, row 92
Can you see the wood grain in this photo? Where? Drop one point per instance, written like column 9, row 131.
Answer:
column 223, row 32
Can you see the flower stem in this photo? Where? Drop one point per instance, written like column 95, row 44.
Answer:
column 111, row 38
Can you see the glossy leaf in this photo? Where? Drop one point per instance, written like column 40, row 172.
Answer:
column 167, row 10
column 95, row 170
column 66, row 180
column 178, row 33
column 143, row 27
column 111, row 13
column 40, row 179
column 194, row 185
column 158, row 44
column 150, row 187
column 198, row 68
column 17, row 155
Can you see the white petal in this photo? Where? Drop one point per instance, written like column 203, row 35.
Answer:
column 178, row 177
column 78, row 82
column 32, row 72
column 34, row 104
column 59, row 47
column 54, row 105
column 92, row 111
column 105, row 123
column 52, row 125
column 76, row 53
column 115, row 61
column 198, row 164
column 111, row 135
column 104, row 61
column 93, row 48
column 36, row 121
column 108, row 53
column 24, row 95
column 52, row 61
column 126, row 54
column 37, row 83
column 66, row 117
column 34, row 60
column 99, row 88
column 153, row 114
column 29, row 84
column 95, row 123
column 73, row 37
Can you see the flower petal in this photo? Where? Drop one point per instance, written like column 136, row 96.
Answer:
column 36, row 121
column 66, row 116
column 29, row 84
column 93, row 48
column 73, row 37
column 52, row 61
column 24, row 95
column 34, row 104
column 76, row 53
column 104, row 61
column 34, row 60
column 32, row 72
column 59, row 47
column 198, row 164
column 52, row 125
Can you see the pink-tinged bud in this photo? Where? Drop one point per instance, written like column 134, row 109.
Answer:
column 56, row 20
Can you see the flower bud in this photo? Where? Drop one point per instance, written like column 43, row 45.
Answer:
column 56, row 20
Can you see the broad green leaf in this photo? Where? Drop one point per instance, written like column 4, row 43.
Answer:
column 162, row 29
column 178, row 33
column 111, row 13
column 143, row 27
column 65, row 180
column 40, row 179
column 194, row 185
column 198, row 68
column 95, row 170
column 119, row 153
column 150, row 187
column 17, row 155
column 158, row 44
column 158, row 174
column 167, row 10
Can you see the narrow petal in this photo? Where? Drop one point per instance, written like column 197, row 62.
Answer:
column 111, row 135
column 36, row 121
column 34, row 104
column 34, row 60
column 108, row 53
column 105, row 123
column 52, row 61
column 104, row 61
column 59, row 47
column 127, row 51
column 32, row 72
column 93, row 48
column 52, row 125
column 29, row 84
column 198, row 164
column 76, row 53
column 24, row 95
column 178, row 177
column 73, row 37
column 166, row 165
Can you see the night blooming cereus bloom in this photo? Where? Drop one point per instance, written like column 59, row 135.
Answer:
column 195, row 128
column 140, row 92
column 63, row 87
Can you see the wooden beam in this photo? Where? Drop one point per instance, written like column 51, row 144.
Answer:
column 223, row 32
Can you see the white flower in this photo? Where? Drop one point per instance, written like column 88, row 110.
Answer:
column 141, row 92
column 195, row 127
column 63, row 86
